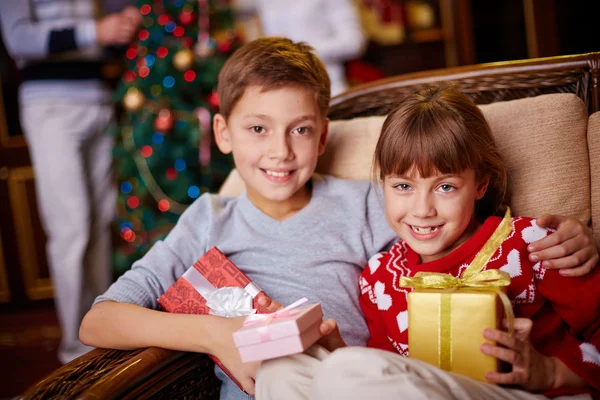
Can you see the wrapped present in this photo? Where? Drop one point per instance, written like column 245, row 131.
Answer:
column 213, row 285
column 447, row 315
column 290, row 330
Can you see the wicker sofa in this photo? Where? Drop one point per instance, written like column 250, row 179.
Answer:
column 543, row 119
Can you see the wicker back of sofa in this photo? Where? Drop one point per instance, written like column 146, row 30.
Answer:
column 484, row 84
column 163, row 374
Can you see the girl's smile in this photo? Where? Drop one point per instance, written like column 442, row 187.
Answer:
column 433, row 215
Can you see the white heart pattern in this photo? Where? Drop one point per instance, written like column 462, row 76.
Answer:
column 513, row 265
column 533, row 233
column 539, row 271
column 384, row 301
column 402, row 319
column 374, row 262
column 589, row 353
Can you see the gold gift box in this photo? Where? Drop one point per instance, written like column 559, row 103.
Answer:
column 445, row 328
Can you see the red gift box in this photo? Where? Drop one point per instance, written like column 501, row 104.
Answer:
column 212, row 280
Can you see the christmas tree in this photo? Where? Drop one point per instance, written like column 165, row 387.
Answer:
column 164, row 154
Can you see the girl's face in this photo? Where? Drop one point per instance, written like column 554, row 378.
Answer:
column 433, row 215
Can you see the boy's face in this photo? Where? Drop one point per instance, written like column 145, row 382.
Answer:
column 433, row 215
column 276, row 137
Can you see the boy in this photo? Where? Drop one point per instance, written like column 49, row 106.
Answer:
column 294, row 233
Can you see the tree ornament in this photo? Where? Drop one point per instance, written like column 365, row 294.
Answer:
column 133, row 100
column 186, row 18
column 164, row 121
column 183, row 59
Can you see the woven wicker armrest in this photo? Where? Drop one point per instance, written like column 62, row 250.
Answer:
column 151, row 373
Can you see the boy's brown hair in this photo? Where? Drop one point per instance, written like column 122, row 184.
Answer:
column 441, row 129
column 270, row 63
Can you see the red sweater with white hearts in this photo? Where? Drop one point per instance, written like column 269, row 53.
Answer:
column 565, row 311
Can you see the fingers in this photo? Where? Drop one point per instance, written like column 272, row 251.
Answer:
column 511, row 378
column 552, row 241
column 327, row 326
column 572, row 260
column 269, row 304
column 501, row 337
column 332, row 338
column 551, row 221
column 248, row 385
column 501, row 353
column 584, row 269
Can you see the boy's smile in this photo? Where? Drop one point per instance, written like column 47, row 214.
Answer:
column 433, row 215
column 276, row 137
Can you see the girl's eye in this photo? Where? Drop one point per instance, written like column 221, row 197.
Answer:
column 446, row 188
column 258, row 129
column 402, row 186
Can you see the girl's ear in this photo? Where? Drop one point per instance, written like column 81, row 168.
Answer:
column 222, row 137
column 482, row 186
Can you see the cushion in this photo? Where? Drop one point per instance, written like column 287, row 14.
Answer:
column 594, row 145
column 542, row 138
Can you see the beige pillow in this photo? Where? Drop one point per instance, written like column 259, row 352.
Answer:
column 594, row 144
column 543, row 140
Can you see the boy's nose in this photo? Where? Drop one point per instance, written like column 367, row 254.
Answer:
column 279, row 147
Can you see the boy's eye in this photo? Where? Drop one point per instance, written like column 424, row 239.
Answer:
column 257, row 129
column 446, row 188
column 303, row 130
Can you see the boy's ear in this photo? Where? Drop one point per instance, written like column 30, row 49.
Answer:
column 323, row 138
column 482, row 186
column 221, row 134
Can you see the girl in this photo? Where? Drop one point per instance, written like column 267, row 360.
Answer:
column 445, row 191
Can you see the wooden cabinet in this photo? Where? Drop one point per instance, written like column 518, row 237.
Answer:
column 24, row 274
column 469, row 32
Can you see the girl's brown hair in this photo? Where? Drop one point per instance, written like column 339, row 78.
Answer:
column 441, row 129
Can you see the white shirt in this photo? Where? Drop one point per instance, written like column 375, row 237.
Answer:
column 331, row 27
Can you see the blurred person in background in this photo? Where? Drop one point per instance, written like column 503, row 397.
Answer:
column 60, row 47
column 332, row 27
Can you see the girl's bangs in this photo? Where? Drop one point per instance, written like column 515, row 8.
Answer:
column 429, row 147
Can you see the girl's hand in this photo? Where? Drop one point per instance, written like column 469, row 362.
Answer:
column 571, row 247
column 531, row 370
column 332, row 338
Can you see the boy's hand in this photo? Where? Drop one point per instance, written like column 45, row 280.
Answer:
column 531, row 370
column 269, row 304
column 571, row 247
column 332, row 338
column 227, row 353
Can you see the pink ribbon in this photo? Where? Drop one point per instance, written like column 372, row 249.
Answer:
column 265, row 319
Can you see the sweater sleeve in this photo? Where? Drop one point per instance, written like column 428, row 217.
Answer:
column 167, row 260
column 30, row 39
column 368, row 304
column 572, row 321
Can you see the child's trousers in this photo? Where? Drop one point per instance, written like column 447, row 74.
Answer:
column 72, row 157
column 362, row 373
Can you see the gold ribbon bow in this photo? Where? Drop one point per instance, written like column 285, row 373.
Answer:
column 474, row 278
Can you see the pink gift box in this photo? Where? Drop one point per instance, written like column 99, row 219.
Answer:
column 271, row 335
